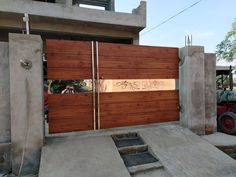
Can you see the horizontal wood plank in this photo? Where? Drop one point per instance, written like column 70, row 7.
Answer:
column 122, row 97
column 138, row 107
column 114, row 73
column 56, row 60
column 69, row 73
column 137, row 63
column 138, row 119
column 69, row 47
column 69, row 126
column 70, row 99
column 124, row 50
column 70, row 111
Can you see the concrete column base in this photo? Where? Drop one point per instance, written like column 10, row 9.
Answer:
column 5, row 157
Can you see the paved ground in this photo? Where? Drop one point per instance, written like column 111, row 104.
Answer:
column 185, row 154
column 220, row 139
column 85, row 157
column 182, row 153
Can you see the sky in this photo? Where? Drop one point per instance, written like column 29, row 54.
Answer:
column 208, row 22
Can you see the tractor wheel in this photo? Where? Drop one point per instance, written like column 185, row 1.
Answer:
column 227, row 123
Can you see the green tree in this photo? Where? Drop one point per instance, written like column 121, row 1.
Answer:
column 227, row 48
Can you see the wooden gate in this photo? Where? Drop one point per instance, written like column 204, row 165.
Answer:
column 71, row 60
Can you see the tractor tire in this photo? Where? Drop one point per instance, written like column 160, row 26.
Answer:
column 227, row 123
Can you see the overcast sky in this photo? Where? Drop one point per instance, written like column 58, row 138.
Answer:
column 208, row 21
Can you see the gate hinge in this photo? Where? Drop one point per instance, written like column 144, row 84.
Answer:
column 181, row 108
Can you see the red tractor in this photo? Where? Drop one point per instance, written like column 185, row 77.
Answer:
column 226, row 100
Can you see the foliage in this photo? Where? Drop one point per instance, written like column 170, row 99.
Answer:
column 225, row 80
column 227, row 48
column 56, row 86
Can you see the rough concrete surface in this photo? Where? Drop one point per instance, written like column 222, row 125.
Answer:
column 210, row 93
column 5, row 132
column 5, row 157
column 185, row 154
column 192, row 88
column 85, row 157
column 26, row 95
column 220, row 139
column 160, row 173
column 181, row 152
column 75, row 13
column 5, row 125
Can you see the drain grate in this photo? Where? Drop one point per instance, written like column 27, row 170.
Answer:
column 139, row 158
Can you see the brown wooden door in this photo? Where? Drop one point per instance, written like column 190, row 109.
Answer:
column 69, row 60
column 118, row 61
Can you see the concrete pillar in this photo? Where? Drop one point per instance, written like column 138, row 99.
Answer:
column 26, row 96
column 192, row 89
column 210, row 93
column 110, row 6
column 142, row 11
column 70, row 3
column 5, row 125
column 136, row 40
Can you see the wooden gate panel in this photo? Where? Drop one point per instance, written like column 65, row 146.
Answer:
column 69, row 60
column 70, row 112
column 72, row 60
column 137, row 108
column 137, row 62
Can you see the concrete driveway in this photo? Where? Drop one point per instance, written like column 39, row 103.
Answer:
column 180, row 152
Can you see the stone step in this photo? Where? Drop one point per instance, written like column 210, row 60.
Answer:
column 133, row 149
column 129, row 139
column 145, row 167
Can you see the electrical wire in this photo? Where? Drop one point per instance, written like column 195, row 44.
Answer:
column 170, row 18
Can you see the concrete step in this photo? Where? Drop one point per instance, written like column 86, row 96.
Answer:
column 128, row 139
column 133, row 149
column 144, row 168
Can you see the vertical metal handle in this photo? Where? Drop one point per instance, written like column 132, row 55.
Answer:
column 94, row 87
column 98, row 86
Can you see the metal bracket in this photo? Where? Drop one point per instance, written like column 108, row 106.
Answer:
column 26, row 64
column 181, row 108
column 181, row 61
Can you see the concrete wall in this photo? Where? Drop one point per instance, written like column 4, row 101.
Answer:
column 210, row 93
column 197, row 90
column 26, row 95
column 192, row 89
column 5, row 135
column 75, row 13
column 59, row 18
column 5, row 124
